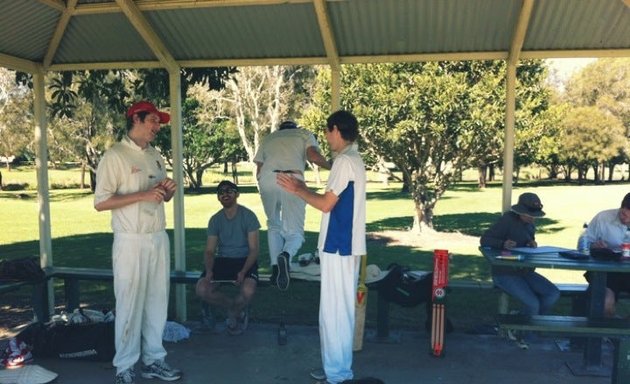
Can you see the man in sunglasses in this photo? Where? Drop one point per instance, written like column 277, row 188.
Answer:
column 231, row 256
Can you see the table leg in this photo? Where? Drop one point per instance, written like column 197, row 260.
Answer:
column 592, row 358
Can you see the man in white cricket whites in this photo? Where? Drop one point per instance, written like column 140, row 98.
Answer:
column 284, row 151
column 341, row 242
column 131, row 182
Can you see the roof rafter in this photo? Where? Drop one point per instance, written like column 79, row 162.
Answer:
column 57, row 4
column 143, row 27
column 155, row 5
column 327, row 34
column 520, row 31
column 59, row 31
column 456, row 56
column 17, row 64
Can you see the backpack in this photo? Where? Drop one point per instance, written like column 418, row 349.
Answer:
column 93, row 341
column 404, row 288
column 24, row 269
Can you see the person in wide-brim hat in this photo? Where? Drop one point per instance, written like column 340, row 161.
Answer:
column 517, row 228
column 529, row 204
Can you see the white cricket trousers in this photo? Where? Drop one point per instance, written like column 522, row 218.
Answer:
column 141, row 266
column 285, row 216
column 338, row 289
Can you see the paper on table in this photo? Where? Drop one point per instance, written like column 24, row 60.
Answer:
column 542, row 249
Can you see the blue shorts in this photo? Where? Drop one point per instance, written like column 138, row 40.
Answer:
column 226, row 268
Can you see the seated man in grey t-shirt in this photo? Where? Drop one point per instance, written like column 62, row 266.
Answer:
column 231, row 255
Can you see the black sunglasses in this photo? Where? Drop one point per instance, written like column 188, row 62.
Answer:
column 224, row 191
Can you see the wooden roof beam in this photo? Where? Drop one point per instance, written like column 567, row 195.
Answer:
column 56, row 4
column 327, row 33
column 66, row 14
column 520, row 31
column 143, row 27
column 156, row 5
column 18, row 64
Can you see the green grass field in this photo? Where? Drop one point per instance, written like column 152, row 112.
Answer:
column 82, row 236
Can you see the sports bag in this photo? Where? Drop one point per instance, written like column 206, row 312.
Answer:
column 24, row 269
column 404, row 288
column 92, row 341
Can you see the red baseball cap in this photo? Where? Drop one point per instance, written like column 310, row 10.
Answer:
column 146, row 106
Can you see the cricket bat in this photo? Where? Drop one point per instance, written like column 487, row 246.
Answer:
column 360, row 307
column 440, row 281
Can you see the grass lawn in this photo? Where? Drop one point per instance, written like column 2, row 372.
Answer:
column 82, row 237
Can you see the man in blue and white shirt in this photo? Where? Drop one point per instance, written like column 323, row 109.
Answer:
column 341, row 242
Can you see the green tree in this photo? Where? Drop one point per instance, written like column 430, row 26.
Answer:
column 604, row 84
column 16, row 117
column 208, row 138
column 430, row 119
column 590, row 136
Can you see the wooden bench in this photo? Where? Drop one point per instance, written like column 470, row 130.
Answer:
column 37, row 293
column 9, row 286
column 618, row 329
column 72, row 277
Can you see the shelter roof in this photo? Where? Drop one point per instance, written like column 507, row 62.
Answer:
column 100, row 34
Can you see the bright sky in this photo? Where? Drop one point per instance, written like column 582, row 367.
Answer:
column 566, row 67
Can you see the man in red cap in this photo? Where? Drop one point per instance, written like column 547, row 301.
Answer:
column 132, row 183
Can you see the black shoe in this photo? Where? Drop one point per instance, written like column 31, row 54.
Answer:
column 283, row 271
column 273, row 279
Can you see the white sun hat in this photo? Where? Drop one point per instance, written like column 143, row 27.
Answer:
column 28, row 374
column 373, row 274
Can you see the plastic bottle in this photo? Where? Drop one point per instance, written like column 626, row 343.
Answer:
column 625, row 245
column 583, row 245
column 282, row 334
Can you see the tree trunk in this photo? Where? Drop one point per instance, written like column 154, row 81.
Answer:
column 234, row 173
column 92, row 180
column 482, row 172
column 82, row 175
column 318, row 175
column 423, row 219
column 199, row 178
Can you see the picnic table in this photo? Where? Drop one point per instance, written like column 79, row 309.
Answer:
column 592, row 357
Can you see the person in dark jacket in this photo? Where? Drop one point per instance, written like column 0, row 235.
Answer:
column 516, row 229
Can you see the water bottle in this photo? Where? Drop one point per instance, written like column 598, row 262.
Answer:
column 282, row 331
column 583, row 245
column 625, row 245
column 282, row 334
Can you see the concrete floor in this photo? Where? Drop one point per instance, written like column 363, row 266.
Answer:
column 256, row 358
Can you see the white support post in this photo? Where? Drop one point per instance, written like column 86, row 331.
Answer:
column 41, row 164
column 508, row 149
column 179, row 237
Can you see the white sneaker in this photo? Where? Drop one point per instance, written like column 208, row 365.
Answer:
column 318, row 374
column 126, row 377
column 160, row 370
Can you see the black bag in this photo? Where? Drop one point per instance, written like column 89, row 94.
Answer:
column 24, row 269
column 605, row 254
column 92, row 341
column 404, row 288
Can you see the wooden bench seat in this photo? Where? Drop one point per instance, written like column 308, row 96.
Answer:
column 9, row 286
column 571, row 325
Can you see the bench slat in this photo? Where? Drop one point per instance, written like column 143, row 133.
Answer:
column 9, row 286
column 575, row 325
